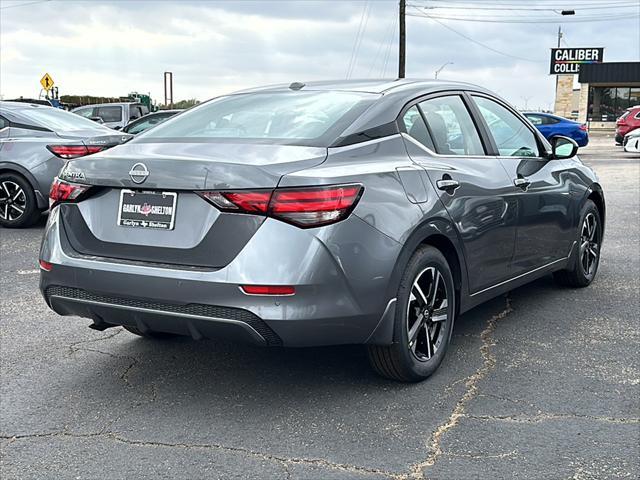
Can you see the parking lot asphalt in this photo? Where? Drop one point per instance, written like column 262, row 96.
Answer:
column 541, row 383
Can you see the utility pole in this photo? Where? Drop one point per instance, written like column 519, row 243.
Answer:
column 403, row 40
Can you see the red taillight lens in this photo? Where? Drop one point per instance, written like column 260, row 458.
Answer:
column 312, row 207
column 62, row 191
column 583, row 127
column 46, row 266
column 268, row 289
column 304, row 207
column 73, row 151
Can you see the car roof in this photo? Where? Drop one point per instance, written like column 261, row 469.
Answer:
column 116, row 104
column 380, row 86
column 14, row 105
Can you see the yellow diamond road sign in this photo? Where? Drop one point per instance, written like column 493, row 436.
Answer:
column 47, row 82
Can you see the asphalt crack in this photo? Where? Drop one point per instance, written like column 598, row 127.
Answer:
column 471, row 392
column 545, row 417
column 80, row 346
column 285, row 462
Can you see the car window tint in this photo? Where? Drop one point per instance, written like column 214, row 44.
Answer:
column 511, row 135
column 414, row 125
column 451, row 126
column 135, row 112
column 3, row 123
column 84, row 112
column 145, row 124
column 109, row 114
column 551, row 120
column 286, row 117
column 57, row 119
column 535, row 119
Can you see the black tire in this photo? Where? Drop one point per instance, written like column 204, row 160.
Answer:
column 403, row 361
column 150, row 334
column 580, row 274
column 25, row 201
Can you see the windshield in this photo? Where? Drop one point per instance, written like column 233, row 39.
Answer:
column 58, row 120
column 296, row 118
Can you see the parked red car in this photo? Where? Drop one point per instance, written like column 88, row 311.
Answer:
column 628, row 121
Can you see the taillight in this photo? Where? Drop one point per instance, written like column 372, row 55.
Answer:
column 583, row 127
column 74, row 151
column 305, row 207
column 312, row 207
column 62, row 191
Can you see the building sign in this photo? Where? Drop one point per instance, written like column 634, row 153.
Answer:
column 567, row 61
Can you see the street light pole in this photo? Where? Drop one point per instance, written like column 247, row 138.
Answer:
column 403, row 39
column 441, row 68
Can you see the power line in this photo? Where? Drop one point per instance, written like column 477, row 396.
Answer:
column 520, row 8
column 527, row 19
column 364, row 19
column 24, row 4
column 473, row 40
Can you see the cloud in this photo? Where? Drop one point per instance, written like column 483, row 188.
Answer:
column 115, row 47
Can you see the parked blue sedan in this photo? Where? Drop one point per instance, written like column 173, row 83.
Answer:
column 552, row 125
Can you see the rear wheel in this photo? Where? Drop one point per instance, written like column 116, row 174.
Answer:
column 424, row 320
column 18, row 206
column 150, row 334
column 585, row 260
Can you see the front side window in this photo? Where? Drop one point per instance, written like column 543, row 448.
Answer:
column 304, row 118
column 451, row 126
column 414, row 125
column 109, row 114
column 511, row 135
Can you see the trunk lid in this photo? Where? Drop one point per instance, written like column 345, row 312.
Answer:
column 197, row 166
column 202, row 236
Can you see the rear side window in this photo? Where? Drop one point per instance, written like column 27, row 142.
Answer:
column 3, row 123
column 135, row 111
column 84, row 112
column 535, row 119
column 109, row 114
column 452, row 129
column 511, row 135
column 414, row 125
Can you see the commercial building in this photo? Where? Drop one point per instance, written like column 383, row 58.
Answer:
column 607, row 90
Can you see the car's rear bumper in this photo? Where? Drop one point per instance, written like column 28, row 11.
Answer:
column 340, row 274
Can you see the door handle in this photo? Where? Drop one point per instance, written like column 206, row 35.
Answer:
column 522, row 182
column 448, row 185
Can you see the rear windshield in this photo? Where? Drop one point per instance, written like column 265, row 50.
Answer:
column 58, row 120
column 294, row 118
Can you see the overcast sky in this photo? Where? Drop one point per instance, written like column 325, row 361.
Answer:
column 111, row 48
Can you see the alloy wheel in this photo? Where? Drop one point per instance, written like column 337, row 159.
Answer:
column 13, row 201
column 427, row 314
column 589, row 244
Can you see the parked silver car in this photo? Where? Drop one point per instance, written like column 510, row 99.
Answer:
column 330, row 213
column 35, row 142
column 114, row 115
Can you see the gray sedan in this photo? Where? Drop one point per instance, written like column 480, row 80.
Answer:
column 35, row 142
column 331, row 213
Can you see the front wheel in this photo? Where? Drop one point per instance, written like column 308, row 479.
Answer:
column 424, row 320
column 584, row 262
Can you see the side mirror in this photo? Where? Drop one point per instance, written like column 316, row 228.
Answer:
column 563, row 147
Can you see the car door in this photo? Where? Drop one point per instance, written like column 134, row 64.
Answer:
column 473, row 187
column 545, row 227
